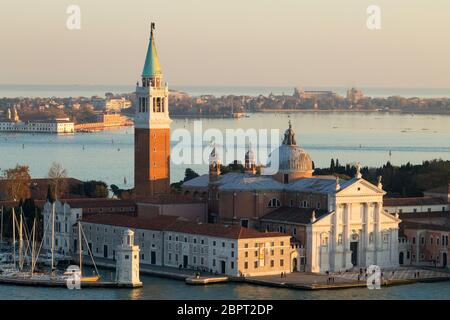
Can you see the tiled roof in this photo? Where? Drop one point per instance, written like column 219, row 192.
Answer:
column 97, row 203
column 424, row 215
column 293, row 215
column 169, row 199
column 221, row 231
column 418, row 201
column 122, row 220
column 178, row 224
column 424, row 226
column 247, row 181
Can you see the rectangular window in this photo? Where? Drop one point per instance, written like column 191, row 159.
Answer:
column 281, row 263
column 245, row 265
column 256, row 265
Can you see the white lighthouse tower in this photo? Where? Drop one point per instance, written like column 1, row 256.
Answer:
column 127, row 264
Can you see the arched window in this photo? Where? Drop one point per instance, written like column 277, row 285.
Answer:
column 274, row 203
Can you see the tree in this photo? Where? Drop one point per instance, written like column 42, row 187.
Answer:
column 49, row 197
column 189, row 174
column 18, row 183
column 332, row 166
column 58, row 175
column 95, row 189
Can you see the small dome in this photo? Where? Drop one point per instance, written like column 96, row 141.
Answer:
column 250, row 156
column 213, row 156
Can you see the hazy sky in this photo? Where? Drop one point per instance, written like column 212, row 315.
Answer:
column 232, row 42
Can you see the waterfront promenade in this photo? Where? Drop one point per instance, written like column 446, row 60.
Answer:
column 295, row 280
column 343, row 280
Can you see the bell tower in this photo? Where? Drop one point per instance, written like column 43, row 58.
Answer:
column 152, row 129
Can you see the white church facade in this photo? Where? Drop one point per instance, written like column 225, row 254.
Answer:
column 341, row 224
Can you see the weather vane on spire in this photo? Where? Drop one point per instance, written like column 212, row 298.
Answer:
column 152, row 27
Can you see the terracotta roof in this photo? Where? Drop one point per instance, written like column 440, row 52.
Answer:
column 418, row 201
column 98, row 203
column 122, row 220
column 424, row 215
column 424, row 226
column 294, row 215
column 168, row 199
column 178, row 224
column 221, row 230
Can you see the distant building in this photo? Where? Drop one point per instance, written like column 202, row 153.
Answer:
column 69, row 212
column 14, row 124
column 424, row 239
column 98, row 103
column 354, row 95
column 417, row 204
column 300, row 93
column 105, row 120
column 117, row 104
column 171, row 241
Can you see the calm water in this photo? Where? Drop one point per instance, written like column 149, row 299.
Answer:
column 350, row 137
column 159, row 288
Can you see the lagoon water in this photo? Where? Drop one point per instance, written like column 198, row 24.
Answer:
column 369, row 138
column 161, row 289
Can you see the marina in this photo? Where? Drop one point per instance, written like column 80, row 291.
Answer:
column 21, row 262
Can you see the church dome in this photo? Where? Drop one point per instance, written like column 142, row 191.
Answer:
column 292, row 159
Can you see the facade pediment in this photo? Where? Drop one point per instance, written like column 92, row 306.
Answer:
column 359, row 187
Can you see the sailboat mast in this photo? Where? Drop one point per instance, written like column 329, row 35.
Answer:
column 1, row 228
column 53, row 235
column 20, row 243
column 80, row 243
column 14, row 235
column 33, row 247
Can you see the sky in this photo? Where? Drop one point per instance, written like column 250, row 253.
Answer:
column 233, row 42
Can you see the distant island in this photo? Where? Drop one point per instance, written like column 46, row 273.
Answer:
column 87, row 112
column 303, row 101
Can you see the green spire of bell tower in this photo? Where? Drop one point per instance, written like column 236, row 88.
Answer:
column 151, row 66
